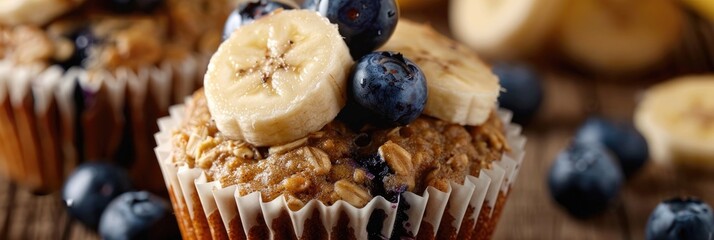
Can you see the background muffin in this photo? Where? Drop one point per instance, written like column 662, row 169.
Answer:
column 87, row 83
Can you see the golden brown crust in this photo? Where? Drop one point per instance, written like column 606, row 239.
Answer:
column 329, row 165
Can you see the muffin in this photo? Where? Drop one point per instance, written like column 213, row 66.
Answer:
column 87, row 80
column 307, row 161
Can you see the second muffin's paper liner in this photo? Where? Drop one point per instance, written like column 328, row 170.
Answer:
column 200, row 204
column 41, row 119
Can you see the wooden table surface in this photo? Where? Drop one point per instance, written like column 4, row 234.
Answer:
column 529, row 213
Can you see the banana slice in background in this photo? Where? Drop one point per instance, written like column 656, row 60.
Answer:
column 462, row 88
column 505, row 28
column 279, row 78
column 415, row 4
column 704, row 7
column 619, row 36
column 37, row 12
column 677, row 119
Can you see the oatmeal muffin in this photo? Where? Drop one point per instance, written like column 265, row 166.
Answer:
column 285, row 141
column 337, row 163
column 87, row 80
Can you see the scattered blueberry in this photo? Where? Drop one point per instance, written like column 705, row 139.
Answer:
column 681, row 218
column 90, row 188
column 584, row 179
column 523, row 91
column 138, row 215
column 389, row 87
column 249, row 11
column 365, row 24
column 83, row 40
column 622, row 139
column 124, row 6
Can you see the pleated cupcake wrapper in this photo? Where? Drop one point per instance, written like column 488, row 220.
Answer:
column 189, row 185
column 41, row 119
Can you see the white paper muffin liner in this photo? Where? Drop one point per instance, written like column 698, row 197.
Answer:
column 186, row 185
column 39, row 116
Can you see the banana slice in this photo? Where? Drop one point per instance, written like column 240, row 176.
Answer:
column 414, row 4
column 462, row 89
column 704, row 7
column 619, row 36
column 37, row 12
column 278, row 79
column 677, row 119
column 505, row 28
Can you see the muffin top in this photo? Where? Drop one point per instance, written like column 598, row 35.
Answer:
column 108, row 35
column 337, row 162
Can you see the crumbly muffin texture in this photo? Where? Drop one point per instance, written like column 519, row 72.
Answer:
column 337, row 163
column 118, row 39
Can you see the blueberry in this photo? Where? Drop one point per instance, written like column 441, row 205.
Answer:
column 584, row 179
column 681, row 218
column 365, row 24
column 622, row 139
column 249, row 11
column 389, row 87
column 377, row 170
column 375, row 166
column 138, row 215
column 90, row 188
column 400, row 222
column 83, row 40
column 124, row 6
column 523, row 91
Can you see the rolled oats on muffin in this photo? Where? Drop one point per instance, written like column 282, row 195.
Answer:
column 292, row 138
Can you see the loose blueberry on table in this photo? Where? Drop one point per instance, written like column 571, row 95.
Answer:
column 623, row 140
column 365, row 24
column 681, row 218
column 248, row 12
column 523, row 91
column 389, row 87
column 90, row 188
column 584, row 179
column 138, row 215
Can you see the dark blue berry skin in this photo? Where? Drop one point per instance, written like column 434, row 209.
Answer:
column 377, row 169
column 523, row 91
column 389, row 87
column 584, row 179
column 623, row 140
column 248, row 12
column 681, row 218
column 365, row 24
column 138, row 215
column 83, row 40
column 90, row 188
column 400, row 231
